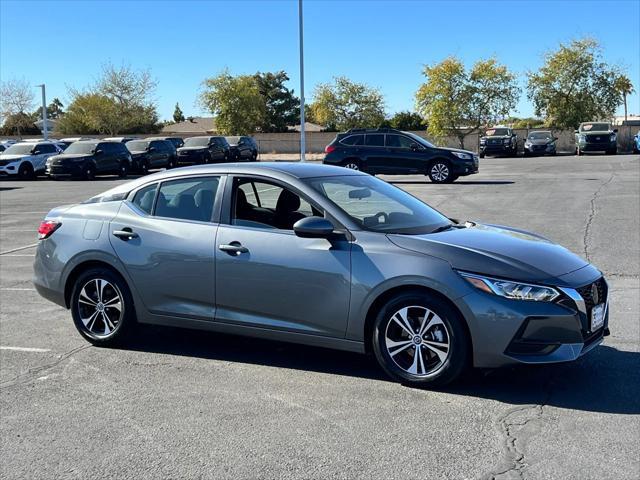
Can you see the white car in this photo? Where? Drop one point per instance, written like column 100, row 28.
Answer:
column 27, row 159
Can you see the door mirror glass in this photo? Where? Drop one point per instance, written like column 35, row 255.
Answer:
column 152, row 149
column 99, row 152
column 35, row 152
column 313, row 227
column 615, row 130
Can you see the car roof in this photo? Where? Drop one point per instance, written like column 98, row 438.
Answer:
column 276, row 170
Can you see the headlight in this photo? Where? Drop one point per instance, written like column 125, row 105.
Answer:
column 511, row 289
column 613, row 137
column 464, row 156
column 527, row 143
column 506, row 140
column 582, row 137
column 483, row 141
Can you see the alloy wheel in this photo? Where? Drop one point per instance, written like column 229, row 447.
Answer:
column 440, row 172
column 417, row 340
column 100, row 307
column 352, row 166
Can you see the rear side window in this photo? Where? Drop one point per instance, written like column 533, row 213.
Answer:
column 375, row 140
column 143, row 199
column 187, row 199
column 47, row 148
column 353, row 140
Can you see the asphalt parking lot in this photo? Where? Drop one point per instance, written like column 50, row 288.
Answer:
column 185, row 404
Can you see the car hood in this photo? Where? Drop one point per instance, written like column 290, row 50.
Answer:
column 456, row 150
column 497, row 251
column 13, row 157
column 63, row 156
column 191, row 149
column 495, row 136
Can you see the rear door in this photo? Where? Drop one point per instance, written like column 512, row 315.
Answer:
column 165, row 236
column 375, row 154
column 45, row 150
column 157, row 156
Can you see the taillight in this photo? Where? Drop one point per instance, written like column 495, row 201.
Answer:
column 329, row 148
column 46, row 228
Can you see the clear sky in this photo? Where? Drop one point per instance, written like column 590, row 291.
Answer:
column 382, row 43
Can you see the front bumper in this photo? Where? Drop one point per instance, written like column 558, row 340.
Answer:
column 10, row 169
column 191, row 157
column 597, row 147
column 66, row 170
column 464, row 168
column 540, row 149
column 493, row 149
column 507, row 332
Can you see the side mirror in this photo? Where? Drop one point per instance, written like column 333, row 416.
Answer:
column 35, row 152
column 555, row 138
column 152, row 149
column 576, row 131
column 98, row 152
column 313, row 227
column 615, row 130
column 414, row 147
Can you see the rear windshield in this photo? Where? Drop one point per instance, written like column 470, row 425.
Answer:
column 81, row 147
column 196, row 142
column 497, row 132
column 595, row 127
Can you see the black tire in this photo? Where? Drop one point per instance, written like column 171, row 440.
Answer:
column 172, row 163
column 207, row 158
column 25, row 172
column 123, row 322
column 612, row 151
column 143, row 167
column 254, row 156
column 353, row 164
column 89, row 172
column 579, row 152
column 440, row 171
column 123, row 170
column 481, row 155
column 432, row 370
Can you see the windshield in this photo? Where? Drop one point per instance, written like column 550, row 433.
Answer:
column 540, row 136
column 497, row 132
column 137, row 146
column 196, row 142
column 80, row 147
column 378, row 206
column 594, row 127
column 420, row 140
column 19, row 149
column 233, row 140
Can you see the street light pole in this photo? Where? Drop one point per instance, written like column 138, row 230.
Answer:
column 45, row 130
column 302, row 136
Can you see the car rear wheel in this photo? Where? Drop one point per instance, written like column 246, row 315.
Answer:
column 89, row 172
column 440, row 172
column 102, row 307
column 25, row 172
column 144, row 167
column 420, row 340
column 172, row 163
column 254, row 156
column 123, row 171
column 352, row 164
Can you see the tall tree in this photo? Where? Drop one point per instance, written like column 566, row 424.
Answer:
column 574, row 85
column 178, row 116
column 408, row 121
column 458, row 102
column 281, row 105
column 236, row 103
column 345, row 104
column 16, row 103
column 54, row 109
column 91, row 113
column 625, row 87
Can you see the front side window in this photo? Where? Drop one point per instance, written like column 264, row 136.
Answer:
column 374, row 140
column 399, row 141
column 378, row 206
column 187, row 199
column 266, row 205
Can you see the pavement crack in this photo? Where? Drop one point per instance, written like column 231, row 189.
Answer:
column 509, row 424
column 592, row 214
column 38, row 371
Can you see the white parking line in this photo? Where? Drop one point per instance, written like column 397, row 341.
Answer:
column 25, row 349
column 19, row 248
column 20, row 255
column 16, row 289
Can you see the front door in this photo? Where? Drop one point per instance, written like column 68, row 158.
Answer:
column 268, row 277
column 404, row 155
column 170, row 252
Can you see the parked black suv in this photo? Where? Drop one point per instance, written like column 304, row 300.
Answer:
column 176, row 141
column 243, row 148
column 88, row 158
column 204, row 150
column 392, row 152
column 148, row 154
column 499, row 141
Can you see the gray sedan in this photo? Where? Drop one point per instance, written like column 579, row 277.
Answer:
column 321, row 256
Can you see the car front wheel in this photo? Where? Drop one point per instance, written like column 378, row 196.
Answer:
column 440, row 172
column 102, row 307
column 25, row 172
column 420, row 340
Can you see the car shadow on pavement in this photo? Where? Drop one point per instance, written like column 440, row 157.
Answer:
column 606, row 380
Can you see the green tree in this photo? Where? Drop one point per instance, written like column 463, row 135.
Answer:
column 346, row 104
column 16, row 103
column 22, row 123
column 408, row 121
column 574, row 85
column 178, row 116
column 625, row 87
column 282, row 107
column 54, row 110
column 236, row 103
column 527, row 122
column 458, row 102
column 90, row 113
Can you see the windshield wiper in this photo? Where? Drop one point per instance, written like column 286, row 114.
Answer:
column 442, row 228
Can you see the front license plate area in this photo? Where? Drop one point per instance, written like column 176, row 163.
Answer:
column 597, row 317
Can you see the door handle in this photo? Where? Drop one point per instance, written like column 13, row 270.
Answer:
column 125, row 234
column 233, row 248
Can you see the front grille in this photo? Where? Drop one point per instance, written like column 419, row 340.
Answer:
column 604, row 138
column 587, row 294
